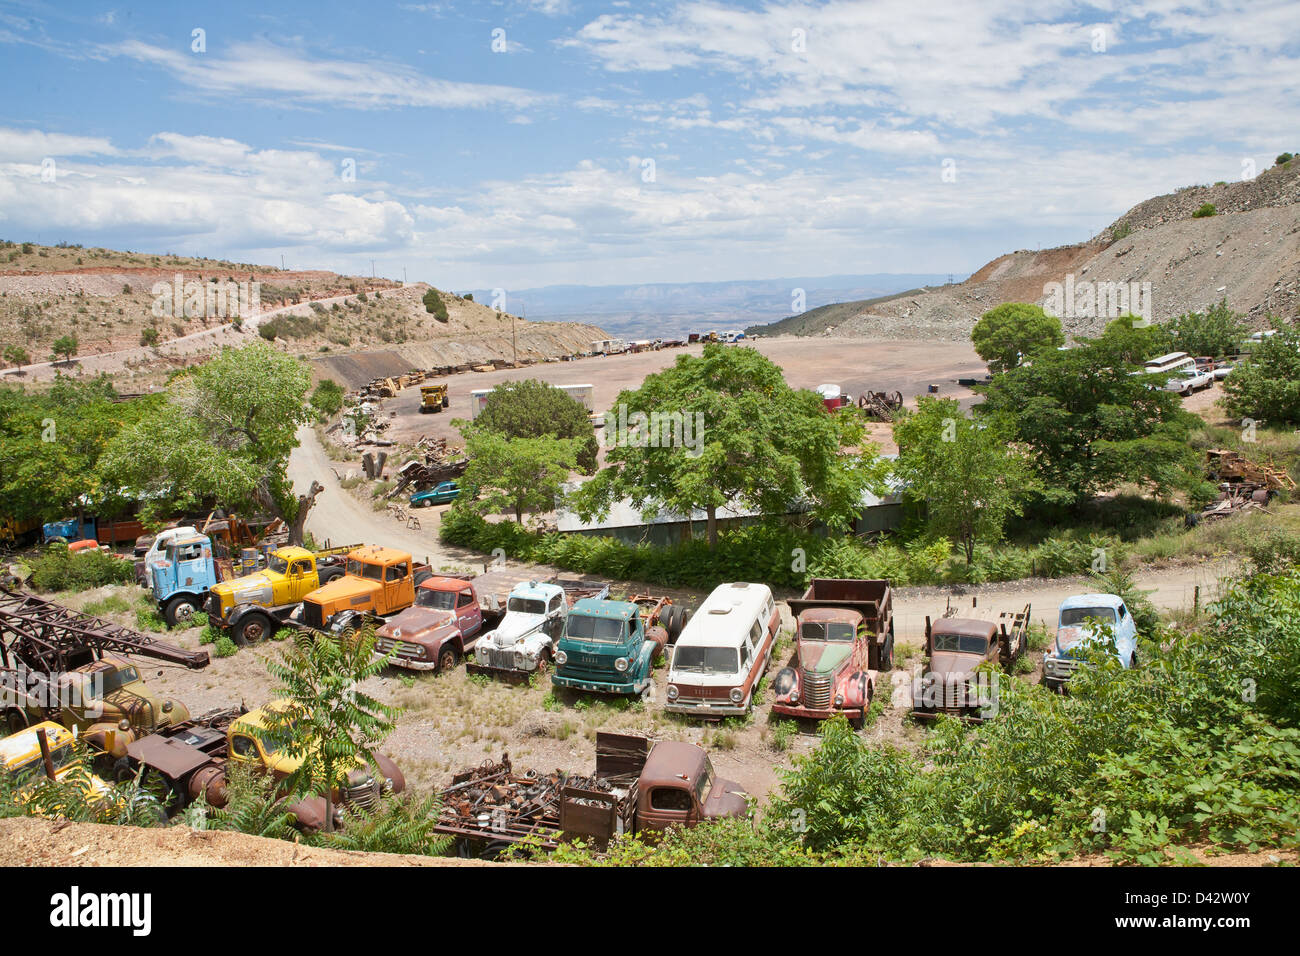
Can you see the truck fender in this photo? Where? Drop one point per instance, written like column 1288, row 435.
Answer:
column 309, row 813
column 107, row 737
column 210, row 781
column 786, row 680
column 856, row 691
column 390, row 770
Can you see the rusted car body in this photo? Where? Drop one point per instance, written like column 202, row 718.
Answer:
column 438, row 631
column 955, row 646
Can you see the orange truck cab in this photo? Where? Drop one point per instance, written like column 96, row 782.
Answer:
column 377, row 582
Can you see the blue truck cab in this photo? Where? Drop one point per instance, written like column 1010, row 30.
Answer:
column 606, row 648
column 181, row 576
column 67, row 530
column 1077, row 632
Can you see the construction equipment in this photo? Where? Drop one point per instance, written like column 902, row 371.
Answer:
column 881, row 406
column 43, row 636
column 433, row 398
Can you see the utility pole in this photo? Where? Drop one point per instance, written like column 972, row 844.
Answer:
column 282, row 262
column 403, row 275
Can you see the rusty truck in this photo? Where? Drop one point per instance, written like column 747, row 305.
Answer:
column 192, row 759
column 844, row 639
column 956, row 645
column 639, row 786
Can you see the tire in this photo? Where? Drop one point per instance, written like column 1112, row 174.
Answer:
column 122, row 770
column 329, row 574
column 446, row 400
column 1133, row 660
column 252, row 629
column 179, row 610
column 422, row 576
column 448, row 657
column 671, row 623
column 15, row 720
column 543, row 662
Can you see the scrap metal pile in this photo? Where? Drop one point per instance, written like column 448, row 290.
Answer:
column 440, row 463
column 1243, row 484
column 882, row 406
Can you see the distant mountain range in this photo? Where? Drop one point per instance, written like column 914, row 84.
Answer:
column 675, row 308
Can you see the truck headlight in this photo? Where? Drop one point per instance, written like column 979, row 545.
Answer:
column 521, row 660
column 839, row 700
column 736, row 695
column 484, row 656
column 620, row 665
column 672, row 691
column 561, row 658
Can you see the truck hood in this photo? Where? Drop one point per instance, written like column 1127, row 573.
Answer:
column 824, row 657
column 1073, row 639
column 246, row 589
column 342, row 589
column 726, row 799
column 417, row 624
column 514, row 626
column 952, row 663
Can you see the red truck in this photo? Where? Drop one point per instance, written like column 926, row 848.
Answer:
column 844, row 638
column 955, row 647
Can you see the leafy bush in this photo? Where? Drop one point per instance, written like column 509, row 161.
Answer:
column 433, row 304
column 1267, row 386
column 1205, row 210
column 59, row 570
column 400, row 824
column 327, row 398
column 1273, row 551
column 224, row 647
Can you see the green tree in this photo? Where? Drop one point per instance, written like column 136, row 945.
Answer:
column 1215, row 332
column 225, row 433
column 1266, row 386
column 1008, row 334
column 724, row 429
column 433, row 304
column 1089, row 425
column 964, row 472
column 327, row 398
column 1136, row 343
column 1283, row 159
column 65, row 345
column 515, row 475
column 322, row 717
column 533, row 409
column 17, row 356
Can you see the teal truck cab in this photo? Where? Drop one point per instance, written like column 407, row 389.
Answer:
column 181, row 577
column 611, row 647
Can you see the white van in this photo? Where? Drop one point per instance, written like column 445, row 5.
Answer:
column 1179, row 370
column 723, row 651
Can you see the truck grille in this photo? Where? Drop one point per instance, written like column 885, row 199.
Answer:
column 401, row 649
column 816, row 689
column 364, row 794
column 212, row 607
column 495, row 657
column 311, row 615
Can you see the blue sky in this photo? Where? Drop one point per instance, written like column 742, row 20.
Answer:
column 627, row 142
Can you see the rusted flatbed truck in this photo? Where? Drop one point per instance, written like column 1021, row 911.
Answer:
column 955, row 646
column 638, row 785
column 844, row 638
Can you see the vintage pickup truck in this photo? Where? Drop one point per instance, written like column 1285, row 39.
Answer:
column 1076, row 632
column 524, row 642
column 611, row 647
column 638, row 786
column 844, row 638
column 377, row 583
column 438, row 630
column 955, row 647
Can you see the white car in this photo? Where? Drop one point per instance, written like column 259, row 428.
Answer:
column 1077, row 629
column 534, row 620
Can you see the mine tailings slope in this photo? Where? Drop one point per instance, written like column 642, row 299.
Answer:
column 1247, row 253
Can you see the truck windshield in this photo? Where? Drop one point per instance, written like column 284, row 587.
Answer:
column 606, row 630
column 706, row 780
column 276, row 563
column 722, row 660
column 526, row 605
column 960, row 643
column 359, row 569
column 1072, row 616
column 826, row 631
column 35, row 767
column 442, row 600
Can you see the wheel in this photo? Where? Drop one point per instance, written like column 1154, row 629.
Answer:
column 1133, row 659
column 15, row 720
column 252, row 629
column 179, row 610
column 446, row 400
column 671, row 623
column 448, row 657
column 329, row 574
column 422, row 576
column 543, row 662
column 122, row 770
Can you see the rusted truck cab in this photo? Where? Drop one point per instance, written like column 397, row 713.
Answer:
column 438, row 631
column 956, row 646
column 679, row 788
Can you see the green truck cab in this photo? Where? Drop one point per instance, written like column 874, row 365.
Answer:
column 611, row 647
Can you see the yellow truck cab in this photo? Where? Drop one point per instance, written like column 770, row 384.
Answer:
column 251, row 607
column 24, row 763
column 376, row 582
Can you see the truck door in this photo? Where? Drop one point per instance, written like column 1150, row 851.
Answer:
column 468, row 613
column 668, row 806
column 554, row 617
column 399, row 592
column 302, row 580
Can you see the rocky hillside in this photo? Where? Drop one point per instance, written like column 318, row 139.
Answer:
column 1247, row 252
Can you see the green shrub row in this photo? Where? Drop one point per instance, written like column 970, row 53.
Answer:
column 59, row 570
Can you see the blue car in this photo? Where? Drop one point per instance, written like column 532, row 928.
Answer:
column 1076, row 630
column 443, row 493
